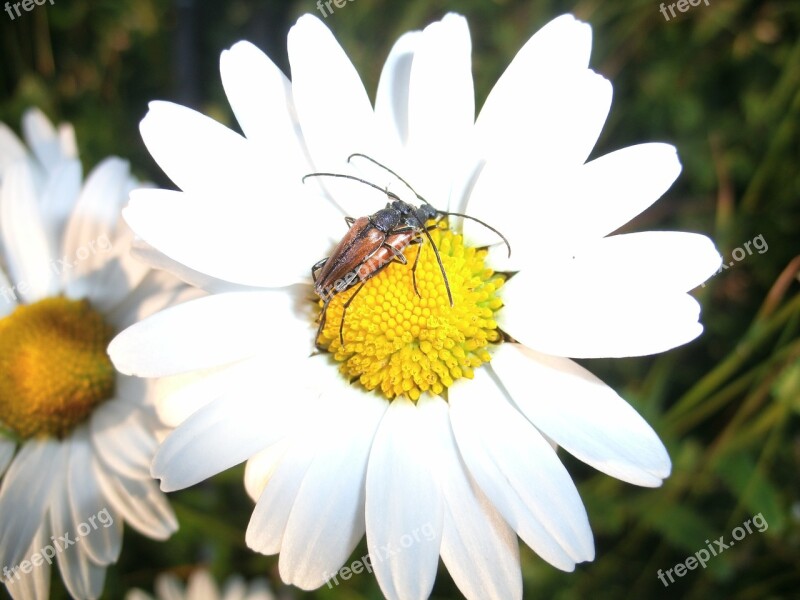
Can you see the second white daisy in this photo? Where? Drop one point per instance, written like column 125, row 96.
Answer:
column 76, row 436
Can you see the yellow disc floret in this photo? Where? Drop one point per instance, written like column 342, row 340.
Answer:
column 404, row 343
column 53, row 366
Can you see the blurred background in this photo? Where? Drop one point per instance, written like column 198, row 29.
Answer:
column 720, row 81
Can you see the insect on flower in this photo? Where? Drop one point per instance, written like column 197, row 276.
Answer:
column 373, row 242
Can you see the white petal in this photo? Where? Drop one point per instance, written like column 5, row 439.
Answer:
column 259, row 590
column 611, row 190
column 271, row 514
column 93, row 224
column 42, row 137
column 545, row 131
column 561, row 47
column 180, row 396
column 140, row 503
column 234, row 588
column 122, row 440
column 156, row 291
column 36, row 584
column 228, row 431
column 142, row 252
column 27, row 491
column 11, row 148
column 520, row 473
column 67, row 141
column 7, row 449
column 261, row 97
column 327, row 518
column 234, row 326
column 441, row 106
column 61, row 190
column 403, row 496
column 82, row 577
column 202, row 585
column 9, row 301
column 473, row 529
column 169, row 587
column 324, row 80
column 391, row 100
column 544, row 69
column 213, row 440
column 193, row 150
column 260, row 468
column 590, row 322
column 104, row 543
column 582, row 415
column 334, row 110
column 120, row 273
column 29, row 250
column 258, row 246
column 570, row 207
column 670, row 260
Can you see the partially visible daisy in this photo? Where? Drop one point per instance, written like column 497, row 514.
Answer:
column 201, row 586
column 421, row 416
column 76, row 436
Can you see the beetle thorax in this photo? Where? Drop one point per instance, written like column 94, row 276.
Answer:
column 386, row 219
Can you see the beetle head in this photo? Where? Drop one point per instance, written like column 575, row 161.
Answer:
column 425, row 213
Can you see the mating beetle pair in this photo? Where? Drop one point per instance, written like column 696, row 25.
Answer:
column 375, row 241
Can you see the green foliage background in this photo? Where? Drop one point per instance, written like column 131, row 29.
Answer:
column 721, row 82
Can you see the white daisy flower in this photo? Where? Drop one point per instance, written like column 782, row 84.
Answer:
column 428, row 426
column 201, row 586
column 76, row 438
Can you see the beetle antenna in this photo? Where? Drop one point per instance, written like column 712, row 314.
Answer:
column 385, row 168
column 489, row 227
column 404, row 182
column 438, row 259
column 343, row 176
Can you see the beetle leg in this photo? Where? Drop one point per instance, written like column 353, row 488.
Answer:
column 323, row 317
column 344, row 312
column 398, row 255
column 414, row 268
column 317, row 266
column 349, row 221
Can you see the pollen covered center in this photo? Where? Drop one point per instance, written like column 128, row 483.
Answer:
column 401, row 342
column 53, row 366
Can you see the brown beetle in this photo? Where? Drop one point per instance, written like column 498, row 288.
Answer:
column 374, row 242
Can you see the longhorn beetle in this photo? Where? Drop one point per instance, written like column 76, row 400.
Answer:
column 375, row 241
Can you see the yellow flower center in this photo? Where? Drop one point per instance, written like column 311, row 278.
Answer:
column 53, row 366
column 404, row 343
